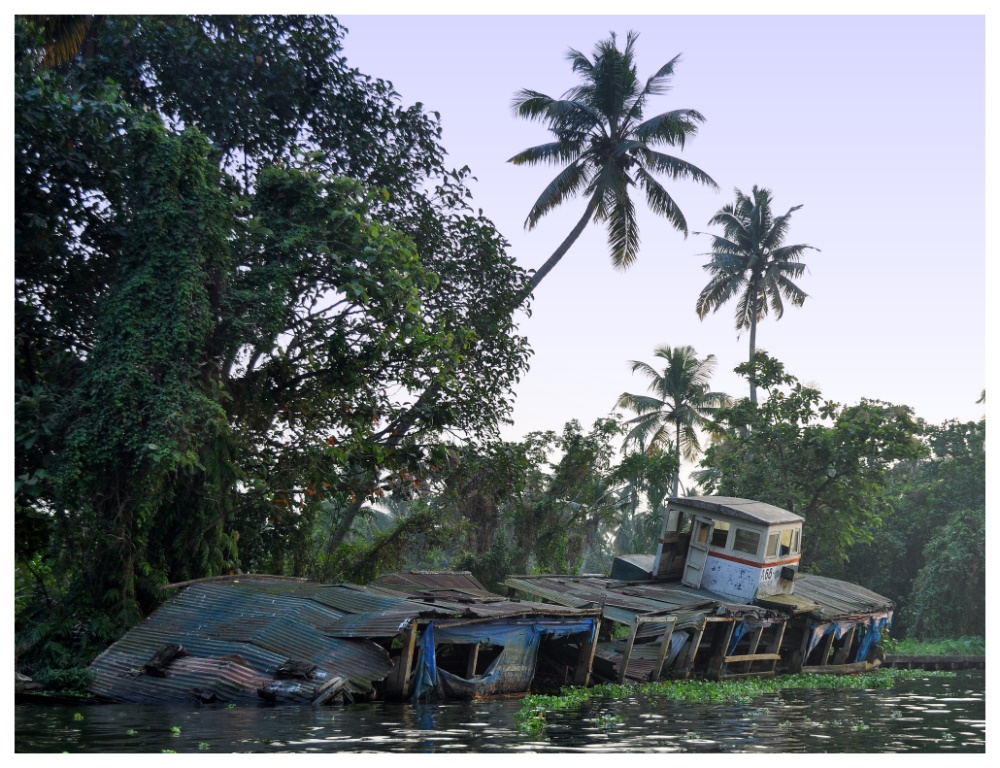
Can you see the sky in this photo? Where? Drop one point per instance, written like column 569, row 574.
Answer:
column 876, row 125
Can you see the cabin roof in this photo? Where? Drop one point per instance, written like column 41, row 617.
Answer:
column 741, row 509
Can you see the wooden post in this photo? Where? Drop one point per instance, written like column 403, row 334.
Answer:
column 398, row 684
column 754, row 642
column 470, row 670
column 664, row 647
column 841, row 654
column 685, row 663
column 718, row 661
column 827, row 644
column 585, row 661
column 627, row 653
column 775, row 647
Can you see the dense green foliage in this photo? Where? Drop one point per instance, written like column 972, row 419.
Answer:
column 930, row 555
column 608, row 148
column 821, row 460
column 226, row 343
column 961, row 646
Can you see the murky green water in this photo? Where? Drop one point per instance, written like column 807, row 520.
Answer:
column 933, row 714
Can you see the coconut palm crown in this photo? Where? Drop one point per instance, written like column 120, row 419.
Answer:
column 751, row 263
column 607, row 148
column 680, row 403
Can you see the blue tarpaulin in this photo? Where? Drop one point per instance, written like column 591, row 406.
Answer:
column 869, row 632
column 510, row 672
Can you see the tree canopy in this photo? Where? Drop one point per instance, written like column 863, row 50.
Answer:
column 824, row 461
column 248, row 293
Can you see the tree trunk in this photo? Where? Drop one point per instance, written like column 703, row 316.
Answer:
column 753, row 345
column 677, row 472
column 565, row 246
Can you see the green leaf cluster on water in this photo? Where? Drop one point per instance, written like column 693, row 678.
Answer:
column 531, row 718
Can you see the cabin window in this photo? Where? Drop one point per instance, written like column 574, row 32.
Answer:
column 686, row 522
column 678, row 521
column 796, row 542
column 772, row 544
column 746, row 541
column 786, row 542
column 701, row 534
column 721, row 533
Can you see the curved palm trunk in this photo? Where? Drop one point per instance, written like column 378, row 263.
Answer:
column 565, row 246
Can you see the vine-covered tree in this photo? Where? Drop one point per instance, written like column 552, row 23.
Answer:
column 223, row 331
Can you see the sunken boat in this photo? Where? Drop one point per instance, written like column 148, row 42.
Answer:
column 723, row 596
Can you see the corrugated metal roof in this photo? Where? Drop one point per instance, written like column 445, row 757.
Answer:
column 840, row 599
column 741, row 509
column 237, row 632
column 432, row 579
column 623, row 601
column 236, row 636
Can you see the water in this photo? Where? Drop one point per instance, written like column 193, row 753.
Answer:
column 932, row 714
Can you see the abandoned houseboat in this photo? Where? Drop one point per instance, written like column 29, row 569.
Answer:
column 722, row 596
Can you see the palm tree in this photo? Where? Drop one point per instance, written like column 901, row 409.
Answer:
column 681, row 403
column 607, row 148
column 750, row 261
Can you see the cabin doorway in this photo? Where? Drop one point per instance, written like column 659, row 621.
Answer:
column 701, row 538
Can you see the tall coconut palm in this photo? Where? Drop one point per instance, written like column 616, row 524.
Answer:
column 608, row 148
column 750, row 262
column 680, row 403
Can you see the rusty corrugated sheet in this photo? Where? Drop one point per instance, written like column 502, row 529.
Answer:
column 623, row 601
column 432, row 579
column 236, row 636
column 840, row 599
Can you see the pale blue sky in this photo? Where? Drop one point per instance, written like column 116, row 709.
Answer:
column 875, row 124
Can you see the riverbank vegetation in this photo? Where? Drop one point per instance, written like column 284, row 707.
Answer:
column 268, row 332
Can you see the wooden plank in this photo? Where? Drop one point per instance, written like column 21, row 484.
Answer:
column 827, row 645
column 840, row 656
column 664, row 647
column 685, row 663
column 754, row 642
column 839, row 669
column 722, row 642
column 585, row 661
column 398, row 684
column 470, row 668
column 627, row 653
column 775, row 647
column 156, row 665
column 752, row 657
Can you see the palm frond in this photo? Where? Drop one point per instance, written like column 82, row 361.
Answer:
column 659, row 201
column 676, row 168
column 567, row 183
column 556, row 153
column 623, row 232
column 671, row 128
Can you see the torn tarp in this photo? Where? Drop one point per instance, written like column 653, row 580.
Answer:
column 510, row 672
column 870, row 631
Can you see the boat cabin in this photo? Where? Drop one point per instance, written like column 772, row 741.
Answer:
column 738, row 548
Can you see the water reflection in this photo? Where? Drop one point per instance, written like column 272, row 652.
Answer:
column 927, row 715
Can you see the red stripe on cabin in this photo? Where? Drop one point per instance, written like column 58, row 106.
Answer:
column 754, row 563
